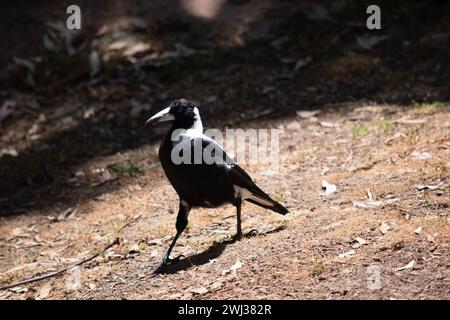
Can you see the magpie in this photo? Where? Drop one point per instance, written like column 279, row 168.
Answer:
column 202, row 183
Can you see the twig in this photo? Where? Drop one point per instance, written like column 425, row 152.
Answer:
column 130, row 222
column 59, row 272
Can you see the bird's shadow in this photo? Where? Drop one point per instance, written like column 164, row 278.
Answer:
column 204, row 257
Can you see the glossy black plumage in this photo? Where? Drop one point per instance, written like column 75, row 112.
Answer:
column 203, row 185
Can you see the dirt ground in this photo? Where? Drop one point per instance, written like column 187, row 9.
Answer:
column 78, row 170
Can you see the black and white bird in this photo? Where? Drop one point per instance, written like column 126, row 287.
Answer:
column 202, row 184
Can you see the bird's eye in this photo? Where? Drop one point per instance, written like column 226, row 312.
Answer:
column 177, row 109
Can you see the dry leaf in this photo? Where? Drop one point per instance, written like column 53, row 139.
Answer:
column 237, row 265
column 328, row 187
column 305, row 114
column 7, row 109
column 19, row 290
column 154, row 253
column 410, row 265
column 65, row 214
column 410, row 121
column 94, row 63
column 134, row 249
column 360, row 243
column 107, row 175
column 419, row 155
column 155, row 242
column 302, row 63
column 137, row 48
column 200, row 290
column 327, row 124
column 73, row 281
column 369, row 41
column 347, row 254
column 430, row 187
column 44, row 291
column 384, row 227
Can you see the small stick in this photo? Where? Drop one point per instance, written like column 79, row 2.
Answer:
column 130, row 222
column 59, row 272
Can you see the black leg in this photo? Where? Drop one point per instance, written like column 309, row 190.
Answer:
column 239, row 221
column 167, row 258
column 182, row 221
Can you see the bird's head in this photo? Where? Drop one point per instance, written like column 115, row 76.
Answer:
column 182, row 113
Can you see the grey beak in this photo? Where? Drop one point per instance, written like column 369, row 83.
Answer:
column 162, row 116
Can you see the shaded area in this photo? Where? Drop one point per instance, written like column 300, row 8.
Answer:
column 276, row 60
column 195, row 260
column 206, row 256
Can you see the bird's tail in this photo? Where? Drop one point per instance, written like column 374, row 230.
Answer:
column 275, row 206
column 261, row 199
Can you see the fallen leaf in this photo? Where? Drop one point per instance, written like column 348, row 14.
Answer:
column 369, row 41
column 80, row 173
column 328, row 187
column 155, row 242
column 137, row 48
column 370, row 195
column 347, row 254
column 154, row 253
column 48, row 43
column 19, row 233
column 304, row 114
column 360, row 241
column 73, row 281
column 410, row 265
column 7, row 109
column 360, row 205
column 19, row 290
column 200, row 290
column 419, row 155
column 134, row 249
column 237, row 265
column 107, row 175
column 9, row 151
column 375, row 203
column 302, row 63
column 94, row 63
column 394, row 137
column 430, row 187
column 384, row 227
column 410, row 121
column 44, row 291
column 327, row 124
column 25, row 63
column 65, row 214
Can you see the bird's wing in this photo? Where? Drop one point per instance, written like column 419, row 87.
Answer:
column 242, row 182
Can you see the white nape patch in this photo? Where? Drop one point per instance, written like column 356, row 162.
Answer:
column 196, row 131
column 243, row 194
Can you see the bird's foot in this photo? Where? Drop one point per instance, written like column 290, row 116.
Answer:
column 237, row 236
column 252, row 233
column 168, row 260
